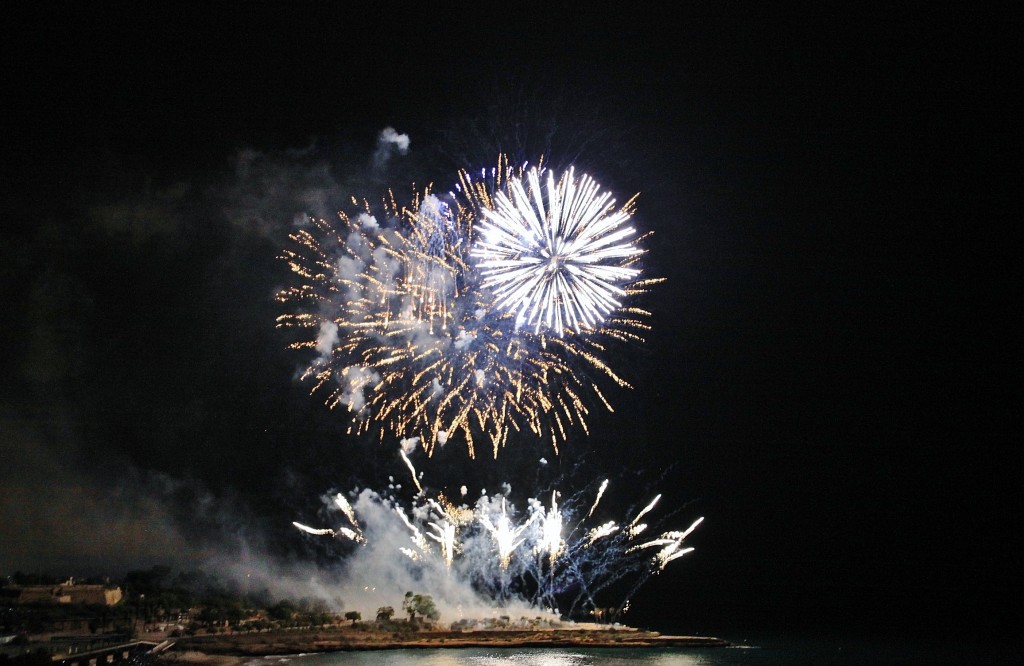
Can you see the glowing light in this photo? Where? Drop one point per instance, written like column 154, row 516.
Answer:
column 408, row 463
column 444, row 534
column 635, row 528
column 341, row 531
column 314, row 530
column 670, row 544
column 602, row 531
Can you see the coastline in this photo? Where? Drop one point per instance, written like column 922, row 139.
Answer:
column 236, row 649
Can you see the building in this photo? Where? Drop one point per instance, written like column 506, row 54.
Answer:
column 65, row 593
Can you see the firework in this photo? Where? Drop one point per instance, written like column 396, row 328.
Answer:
column 484, row 313
column 353, row 533
column 506, row 536
column 547, row 556
column 554, row 255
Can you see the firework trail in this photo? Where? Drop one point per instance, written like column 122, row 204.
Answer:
column 600, row 493
column 484, row 312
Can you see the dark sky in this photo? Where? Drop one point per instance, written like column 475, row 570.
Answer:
column 832, row 380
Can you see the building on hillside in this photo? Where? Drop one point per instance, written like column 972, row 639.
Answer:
column 65, row 593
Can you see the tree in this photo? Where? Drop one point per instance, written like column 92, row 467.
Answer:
column 422, row 604
column 147, row 582
column 355, row 616
column 385, row 613
column 282, row 611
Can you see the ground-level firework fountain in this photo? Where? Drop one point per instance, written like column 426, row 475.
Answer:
column 540, row 554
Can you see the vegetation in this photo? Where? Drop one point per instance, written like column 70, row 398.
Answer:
column 185, row 604
column 422, row 604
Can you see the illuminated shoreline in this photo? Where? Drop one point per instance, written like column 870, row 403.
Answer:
column 229, row 649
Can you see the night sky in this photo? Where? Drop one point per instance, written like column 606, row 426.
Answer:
column 832, row 379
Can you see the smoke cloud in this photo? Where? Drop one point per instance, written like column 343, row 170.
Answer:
column 388, row 143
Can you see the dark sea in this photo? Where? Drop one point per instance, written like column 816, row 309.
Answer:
column 761, row 652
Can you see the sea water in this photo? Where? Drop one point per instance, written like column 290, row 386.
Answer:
column 766, row 652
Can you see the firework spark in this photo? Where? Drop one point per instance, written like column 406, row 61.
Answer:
column 485, row 313
column 506, row 536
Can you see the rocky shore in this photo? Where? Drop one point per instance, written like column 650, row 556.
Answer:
column 232, row 649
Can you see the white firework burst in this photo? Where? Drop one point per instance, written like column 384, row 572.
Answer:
column 557, row 257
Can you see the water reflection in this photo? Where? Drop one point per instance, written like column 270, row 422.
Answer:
column 497, row 657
